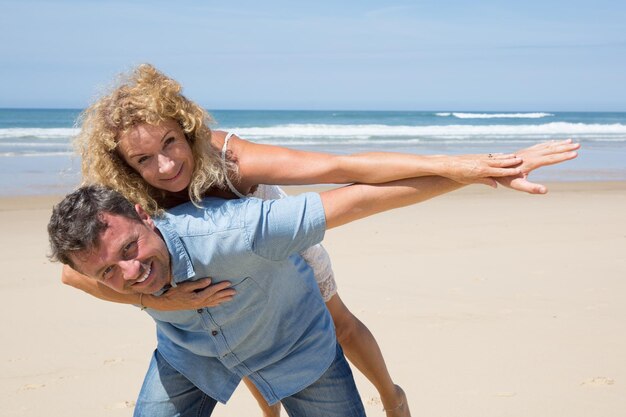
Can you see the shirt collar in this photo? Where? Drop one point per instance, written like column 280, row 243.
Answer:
column 181, row 266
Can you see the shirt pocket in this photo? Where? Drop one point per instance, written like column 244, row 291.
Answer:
column 245, row 308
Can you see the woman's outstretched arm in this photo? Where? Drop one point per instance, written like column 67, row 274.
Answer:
column 268, row 164
column 186, row 296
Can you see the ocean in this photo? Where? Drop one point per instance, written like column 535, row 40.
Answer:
column 36, row 155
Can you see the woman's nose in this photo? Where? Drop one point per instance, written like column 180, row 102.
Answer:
column 165, row 164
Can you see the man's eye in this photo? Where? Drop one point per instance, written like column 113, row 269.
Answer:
column 107, row 273
column 130, row 250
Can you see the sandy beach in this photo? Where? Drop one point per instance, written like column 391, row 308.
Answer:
column 486, row 303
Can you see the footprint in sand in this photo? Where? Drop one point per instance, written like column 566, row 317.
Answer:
column 598, row 381
column 374, row 401
column 113, row 361
column 29, row 387
column 121, row 405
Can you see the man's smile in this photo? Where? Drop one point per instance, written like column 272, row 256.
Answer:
column 144, row 276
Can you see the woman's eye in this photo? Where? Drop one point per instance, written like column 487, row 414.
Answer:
column 142, row 159
column 169, row 141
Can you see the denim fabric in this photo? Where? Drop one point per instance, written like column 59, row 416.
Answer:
column 333, row 395
column 166, row 393
column 277, row 330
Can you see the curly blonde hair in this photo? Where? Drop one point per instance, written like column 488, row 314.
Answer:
column 145, row 95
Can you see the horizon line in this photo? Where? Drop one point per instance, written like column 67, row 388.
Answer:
column 353, row 110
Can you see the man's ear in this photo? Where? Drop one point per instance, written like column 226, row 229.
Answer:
column 145, row 217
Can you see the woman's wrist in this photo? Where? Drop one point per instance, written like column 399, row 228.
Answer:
column 162, row 303
column 440, row 165
column 148, row 301
column 141, row 302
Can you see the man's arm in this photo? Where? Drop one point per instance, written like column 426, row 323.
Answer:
column 354, row 202
column 357, row 201
column 279, row 228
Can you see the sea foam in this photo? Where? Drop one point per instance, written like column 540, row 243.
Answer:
column 38, row 133
column 495, row 115
column 368, row 131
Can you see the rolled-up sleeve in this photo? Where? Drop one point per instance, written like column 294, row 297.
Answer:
column 277, row 229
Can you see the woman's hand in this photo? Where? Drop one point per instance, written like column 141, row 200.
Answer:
column 537, row 156
column 191, row 295
column 481, row 169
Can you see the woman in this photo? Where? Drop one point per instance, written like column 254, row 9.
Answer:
column 147, row 141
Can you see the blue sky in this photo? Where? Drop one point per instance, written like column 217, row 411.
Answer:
column 406, row 55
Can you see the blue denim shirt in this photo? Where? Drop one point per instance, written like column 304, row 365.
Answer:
column 276, row 330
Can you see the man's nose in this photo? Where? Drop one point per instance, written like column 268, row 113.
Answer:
column 131, row 269
column 165, row 164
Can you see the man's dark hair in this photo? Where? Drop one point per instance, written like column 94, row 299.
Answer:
column 76, row 222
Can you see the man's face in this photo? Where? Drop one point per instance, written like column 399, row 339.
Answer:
column 130, row 257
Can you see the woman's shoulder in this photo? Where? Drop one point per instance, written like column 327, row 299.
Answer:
column 217, row 138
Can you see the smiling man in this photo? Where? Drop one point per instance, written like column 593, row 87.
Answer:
column 276, row 331
column 130, row 258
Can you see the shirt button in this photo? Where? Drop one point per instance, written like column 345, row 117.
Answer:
column 214, row 332
column 199, row 310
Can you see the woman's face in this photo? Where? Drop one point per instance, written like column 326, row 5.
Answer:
column 160, row 154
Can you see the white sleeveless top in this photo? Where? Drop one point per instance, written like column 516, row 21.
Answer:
column 316, row 256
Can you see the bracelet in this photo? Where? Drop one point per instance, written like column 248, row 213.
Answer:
column 143, row 307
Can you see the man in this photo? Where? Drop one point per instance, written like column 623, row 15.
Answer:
column 276, row 331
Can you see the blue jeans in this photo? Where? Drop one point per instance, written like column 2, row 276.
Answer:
column 166, row 392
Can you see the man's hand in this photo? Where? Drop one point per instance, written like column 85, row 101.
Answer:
column 537, row 156
column 192, row 295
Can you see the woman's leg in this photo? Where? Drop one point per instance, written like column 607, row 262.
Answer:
column 362, row 350
column 268, row 410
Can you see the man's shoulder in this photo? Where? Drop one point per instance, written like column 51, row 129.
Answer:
column 210, row 214
column 214, row 215
column 207, row 205
column 216, row 207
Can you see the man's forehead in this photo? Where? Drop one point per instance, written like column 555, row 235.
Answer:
column 84, row 255
column 118, row 229
column 117, row 232
column 85, row 261
column 90, row 260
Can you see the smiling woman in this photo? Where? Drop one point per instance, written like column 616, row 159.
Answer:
column 166, row 164
column 147, row 102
